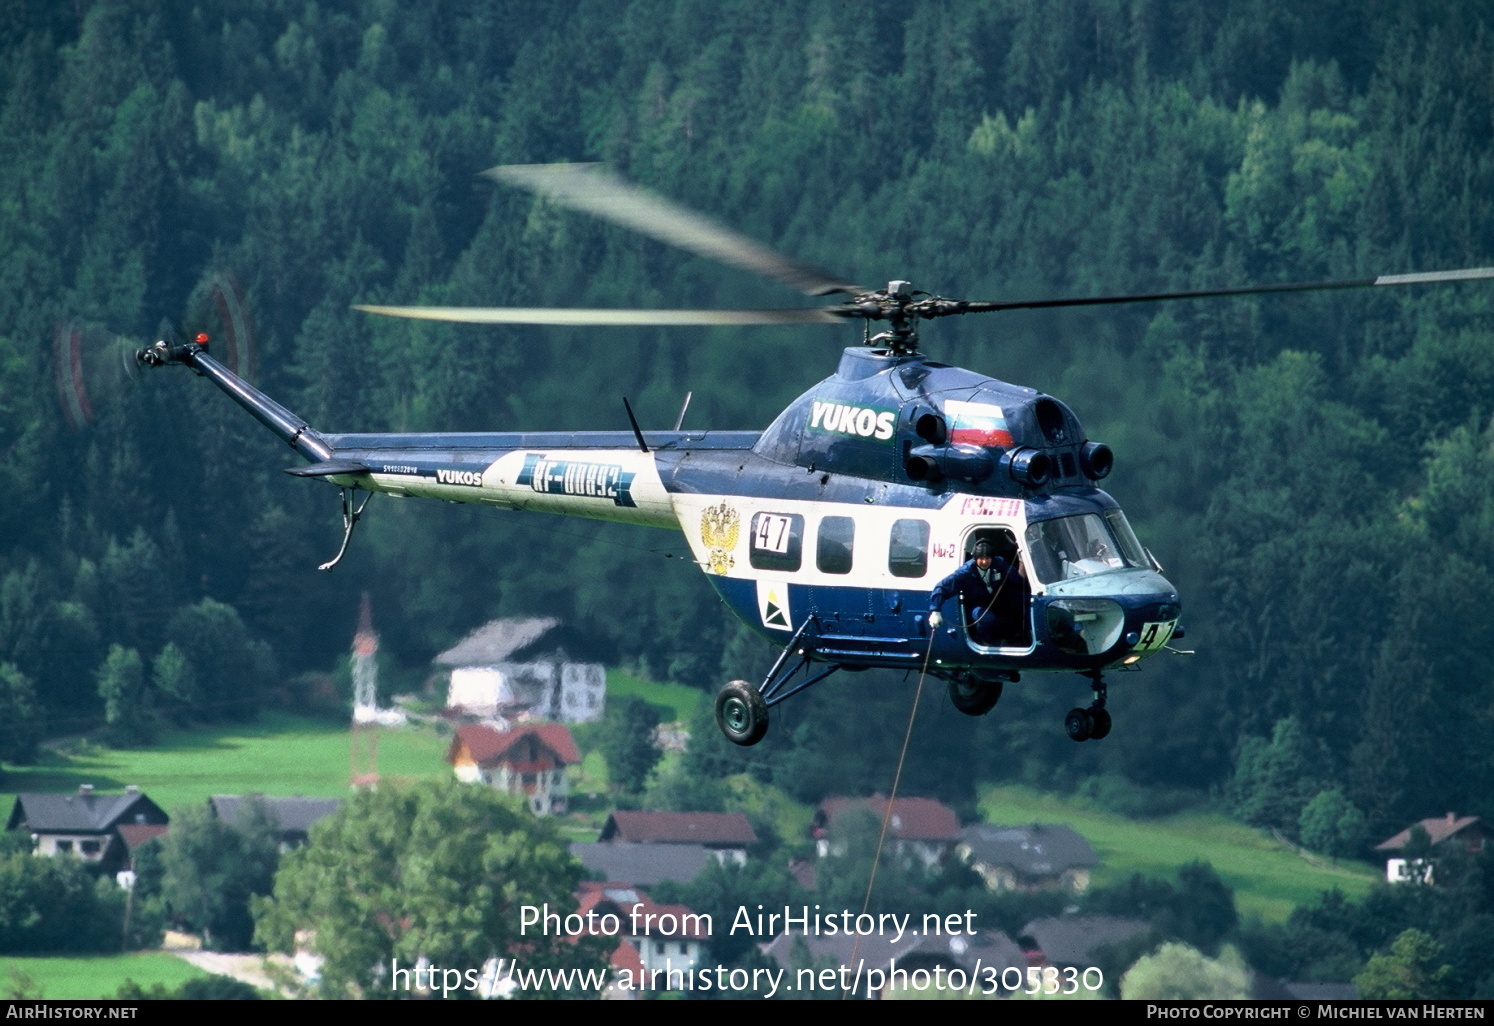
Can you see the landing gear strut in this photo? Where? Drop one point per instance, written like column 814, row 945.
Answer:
column 1093, row 723
column 742, row 710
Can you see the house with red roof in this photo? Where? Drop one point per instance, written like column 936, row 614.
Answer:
column 726, row 835
column 1443, row 832
column 920, row 828
column 625, row 969
column 528, row 760
column 658, row 944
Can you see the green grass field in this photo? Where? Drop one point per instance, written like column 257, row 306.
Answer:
column 99, row 976
column 1268, row 879
column 682, row 701
column 282, row 754
column 279, row 754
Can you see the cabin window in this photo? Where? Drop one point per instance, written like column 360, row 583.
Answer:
column 777, row 541
column 908, row 554
column 833, row 551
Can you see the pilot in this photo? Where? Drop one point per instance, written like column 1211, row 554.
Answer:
column 977, row 583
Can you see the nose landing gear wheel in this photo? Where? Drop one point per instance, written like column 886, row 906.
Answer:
column 1093, row 723
column 741, row 713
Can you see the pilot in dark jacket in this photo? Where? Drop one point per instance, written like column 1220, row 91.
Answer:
column 977, row 583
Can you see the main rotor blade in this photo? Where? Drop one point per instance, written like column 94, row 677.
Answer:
column 662, row 318
column 1420, row 278
column 596, row 190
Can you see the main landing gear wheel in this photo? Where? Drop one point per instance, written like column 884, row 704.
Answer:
column 975, row 697
column 1099, row 724
column 1079, row 724
column 741, row 713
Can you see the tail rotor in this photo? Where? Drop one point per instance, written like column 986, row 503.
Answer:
column 93, row 364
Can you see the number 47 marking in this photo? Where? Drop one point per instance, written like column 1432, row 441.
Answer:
column 772, row 533
column 1155, row 635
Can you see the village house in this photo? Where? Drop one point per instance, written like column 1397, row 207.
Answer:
column 918, row 828
column 1444, row 832
column 86, row 824
column 293, row 816
column 522, row 668
column 667, row 939
column 643, row 863
column 135, row 836
column 1075, row 941
column 1041, row 856
column 726, row 835
column 529, row 760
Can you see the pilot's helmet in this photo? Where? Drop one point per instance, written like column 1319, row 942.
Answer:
column 983, row 550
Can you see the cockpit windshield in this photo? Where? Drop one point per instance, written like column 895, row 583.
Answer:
column 1077, row 546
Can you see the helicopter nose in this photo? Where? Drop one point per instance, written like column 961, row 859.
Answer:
column 1151, row 626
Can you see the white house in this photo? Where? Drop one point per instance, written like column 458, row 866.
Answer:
column 86, row 824
column 520, row 667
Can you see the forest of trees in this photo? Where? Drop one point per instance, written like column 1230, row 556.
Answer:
column 1315, row 472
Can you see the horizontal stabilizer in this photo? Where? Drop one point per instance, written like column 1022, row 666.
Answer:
column 329, row 468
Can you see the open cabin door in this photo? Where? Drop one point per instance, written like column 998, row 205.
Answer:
column 1007, row 622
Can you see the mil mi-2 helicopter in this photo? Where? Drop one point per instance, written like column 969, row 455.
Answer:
column 827, row 531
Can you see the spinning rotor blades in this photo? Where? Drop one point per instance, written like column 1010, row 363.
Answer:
column 549, row 315
column 598, row 191
column 1384, row 280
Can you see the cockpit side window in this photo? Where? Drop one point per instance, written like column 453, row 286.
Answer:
column 1076, row 546
column 1130, row 546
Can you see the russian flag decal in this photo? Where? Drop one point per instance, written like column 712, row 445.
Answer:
column 977, row 424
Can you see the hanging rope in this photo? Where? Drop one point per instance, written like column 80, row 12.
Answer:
column 897, row 776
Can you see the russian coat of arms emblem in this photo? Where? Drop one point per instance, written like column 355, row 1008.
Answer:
column 719, row 525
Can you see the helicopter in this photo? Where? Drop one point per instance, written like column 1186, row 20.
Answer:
column 826, row 532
